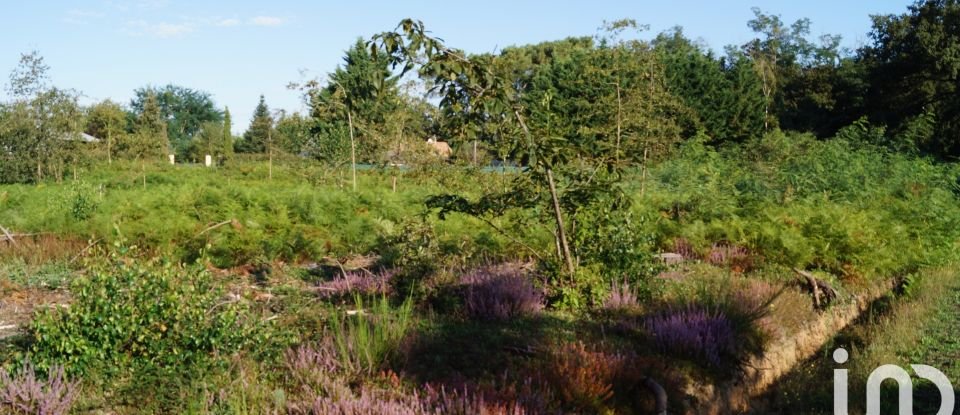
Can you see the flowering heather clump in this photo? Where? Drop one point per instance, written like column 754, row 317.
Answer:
column 26, row 394
column 622, row 297
column 684, row 248
column 585, row 377
column 695, row 333
column 737, row 257
column 356, row 282
column 323, row 390
column 497, row 296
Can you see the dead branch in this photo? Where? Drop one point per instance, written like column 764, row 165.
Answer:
column 212, row 227
column 84, row 250
column 823, row 293
column 8, row 235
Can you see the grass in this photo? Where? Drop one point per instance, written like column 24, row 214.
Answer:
column 916, row 328
column 743, row 215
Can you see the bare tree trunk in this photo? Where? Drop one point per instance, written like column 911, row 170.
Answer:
column 619, row 123
column 561, row 233
column 558, row 214
column 353, row 151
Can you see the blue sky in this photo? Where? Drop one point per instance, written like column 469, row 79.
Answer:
column 240, row 49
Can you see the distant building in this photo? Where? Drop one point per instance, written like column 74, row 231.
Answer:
column 82, row 137
column 440, row 148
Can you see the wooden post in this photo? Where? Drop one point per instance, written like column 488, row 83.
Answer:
column 394, row 184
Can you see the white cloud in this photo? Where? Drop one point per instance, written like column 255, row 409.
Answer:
column 159, row 30
column 77, row 16
column 266, row 21
column 228, row 22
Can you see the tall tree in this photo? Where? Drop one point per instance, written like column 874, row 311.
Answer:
column 255, row 139
column 560, row 176
column 183, row 109
column 723, row 93
column 363, row 93
column 226, row 141
column 915, row 73
column 39, row 133
column 107, row 120
column 150, row 138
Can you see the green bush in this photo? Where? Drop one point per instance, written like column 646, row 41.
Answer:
column 132, row 313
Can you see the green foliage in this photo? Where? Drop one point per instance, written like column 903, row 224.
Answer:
column 150, row 138
column 128, row 313
column 852, row 210
column 38, row 130
column 182, row 111
column 259, row 134
column 725, row 95
column 368, row 338
column 83, row 201
column 911, row 74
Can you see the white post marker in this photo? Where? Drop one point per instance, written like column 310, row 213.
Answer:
column 208, row 161
column 172, row 159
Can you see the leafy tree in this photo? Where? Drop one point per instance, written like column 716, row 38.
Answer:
column 724, row 94
column 108, row 121
column 183, row 109
column 363, row 92
column 257, row 137
column 914, row 70
column 560, row 176
column 226, row 141
column 293, row 133
column 783, row 55
column 38, row 130
column 149, row 139
column 209, row 141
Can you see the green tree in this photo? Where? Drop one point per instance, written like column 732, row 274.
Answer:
column 150, row 132
column 108, row 121
column 39, row 129
column 914, row 71
column 564, row 174
column 257, row 136
column 209, row 141
column 183, row 109
column 293, row 133
column 226, row 141
column 723, row 93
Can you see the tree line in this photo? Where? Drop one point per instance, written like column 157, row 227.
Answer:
column 612, row 98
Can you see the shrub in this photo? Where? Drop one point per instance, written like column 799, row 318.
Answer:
column 26, row 394
column 585, row 377
column 696, row 333
column 622, row 297
column 356, row 282
column 130, row 311
column 323, row 390
column 732, row 256
column 498, row 295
